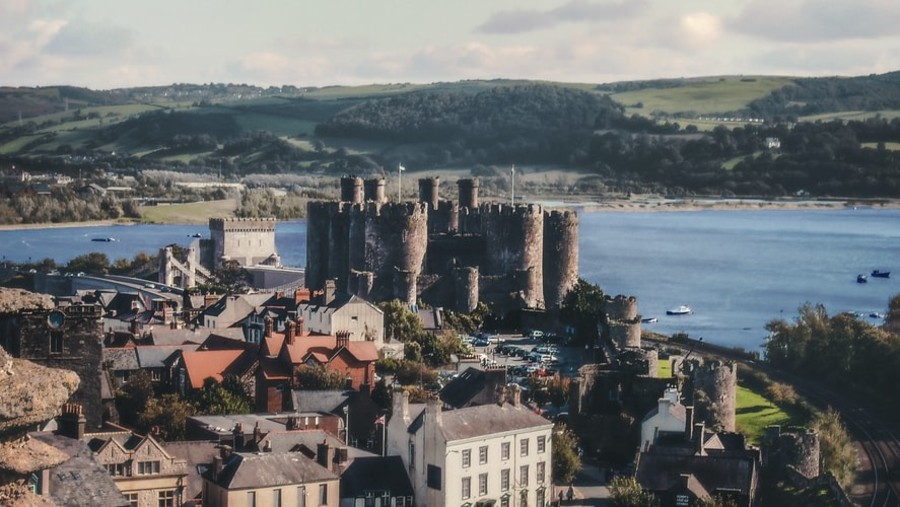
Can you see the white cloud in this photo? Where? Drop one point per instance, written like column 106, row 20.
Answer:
column 575, row 11
column 813, row 20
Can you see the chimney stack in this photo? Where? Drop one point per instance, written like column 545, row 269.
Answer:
column 72, row 421
column 400, row 402
column 289, row 334
column 433, row 410
column 343, row 338
column 257, row 433
column 269, row 326
column 300, row 322
column 699, row 440
column 217, row 467
column 240, row 441
column 324, row 455
column 330, row 290
column 689, row 423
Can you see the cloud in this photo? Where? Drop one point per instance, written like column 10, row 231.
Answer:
column 813, row 20
column 270, row 68
column 87, row 39
column 575, row 11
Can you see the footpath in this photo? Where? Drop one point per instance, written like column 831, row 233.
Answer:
column 589, row 487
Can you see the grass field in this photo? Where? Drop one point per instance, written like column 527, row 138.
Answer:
column 713, row 95
column 755, row 412
column 190, row 213
column 887, row 146
column 852, row 115
column 665, row 369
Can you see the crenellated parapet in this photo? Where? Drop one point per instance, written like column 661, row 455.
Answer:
column 249, row 241
column 714, row 387
column 622, row 308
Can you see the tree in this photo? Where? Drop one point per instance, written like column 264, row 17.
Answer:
column 166, row 417
column 626, row 492
column 583, row 307
column 133, row 397
column 835, row 447
column 399, row 322
column 228, row 397
column 95, row 263
column 566, row 461
column 318, row 377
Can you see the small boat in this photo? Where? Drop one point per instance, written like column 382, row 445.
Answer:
column 881, row 274
column 650, row 320
column 105, row 240
column 680, row 310
column 862, row 279
column 876, row 315
column 195, row 235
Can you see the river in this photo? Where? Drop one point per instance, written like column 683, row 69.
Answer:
column 736, row 269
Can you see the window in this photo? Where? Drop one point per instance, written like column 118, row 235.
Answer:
column 251, row 499
column 401, row 501
column 523, row 447
column 482, row 454
column 433, row 477
column 504, row 479
column 542, row 443
column 540, row 497
column 276, row 497
column 132, row 499
column 148, row 467
column 504, row 501
column 540, row 474
column 323, row 494
column 466, row 458
column 166, row 498
column 301, row 496
column 482, row 484
column 504, row 450
column 56, row 342
column 523, row 475
column 466, row 487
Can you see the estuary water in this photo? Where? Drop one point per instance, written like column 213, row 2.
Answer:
column 736, row 269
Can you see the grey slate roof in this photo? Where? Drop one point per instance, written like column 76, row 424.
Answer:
column 470, row 422
column 166, row 336
column 224, row 424
column 198, row 455
column 327, row 401
column 299, row 441
column 81, row 480
column 121, row 359
column 270, row 469
column 377, row 473
column 154, row 356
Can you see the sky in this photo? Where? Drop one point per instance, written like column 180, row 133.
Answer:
column 106, row 44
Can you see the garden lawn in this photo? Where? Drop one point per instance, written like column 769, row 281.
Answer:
column 755, row 412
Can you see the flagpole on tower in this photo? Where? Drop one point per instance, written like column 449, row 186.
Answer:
column 400, row 170
column 512, row 172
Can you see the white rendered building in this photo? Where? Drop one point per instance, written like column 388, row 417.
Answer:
column 480, row 456
column 668, row 418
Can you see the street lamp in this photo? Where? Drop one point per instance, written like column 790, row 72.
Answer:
column 347, row 424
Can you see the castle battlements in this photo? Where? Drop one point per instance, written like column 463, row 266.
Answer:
column 399, row 242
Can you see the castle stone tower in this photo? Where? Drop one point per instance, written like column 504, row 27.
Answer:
column 249, row 241
column 429, row 191
column 516, row 243
column 374, row 190
column 465, row 288
column 351, row 189
column 560, row 256
column 468, row 193
column 715, row 393
column 798, row 447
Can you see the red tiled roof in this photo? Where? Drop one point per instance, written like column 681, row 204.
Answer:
column 201, row 364
column 324, row 347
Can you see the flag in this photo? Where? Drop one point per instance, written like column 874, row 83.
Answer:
column 379, row 420
column 400, row 166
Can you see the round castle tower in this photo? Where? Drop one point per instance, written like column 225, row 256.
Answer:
column 351, row 189
column 515, row 240
column 560, row 256
column 468, row 193
column 465, row 286
column 621, row 307
column 798, row 447
column 718, row 383
column 374, row 190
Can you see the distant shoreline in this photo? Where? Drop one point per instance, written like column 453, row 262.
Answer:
column 636, row 204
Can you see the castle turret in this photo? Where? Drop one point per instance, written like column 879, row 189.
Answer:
column 428, row 191
column 560, row 256
column 468, row 193
column 465, row 288
column 249, row 241
column 318, row 226
column 351, row 189
column 715, row 393
column 374, row 190
column 516, row 243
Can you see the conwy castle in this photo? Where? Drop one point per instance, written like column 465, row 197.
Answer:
column 444, row 253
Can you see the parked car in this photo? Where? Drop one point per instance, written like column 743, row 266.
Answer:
column 481, row 342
